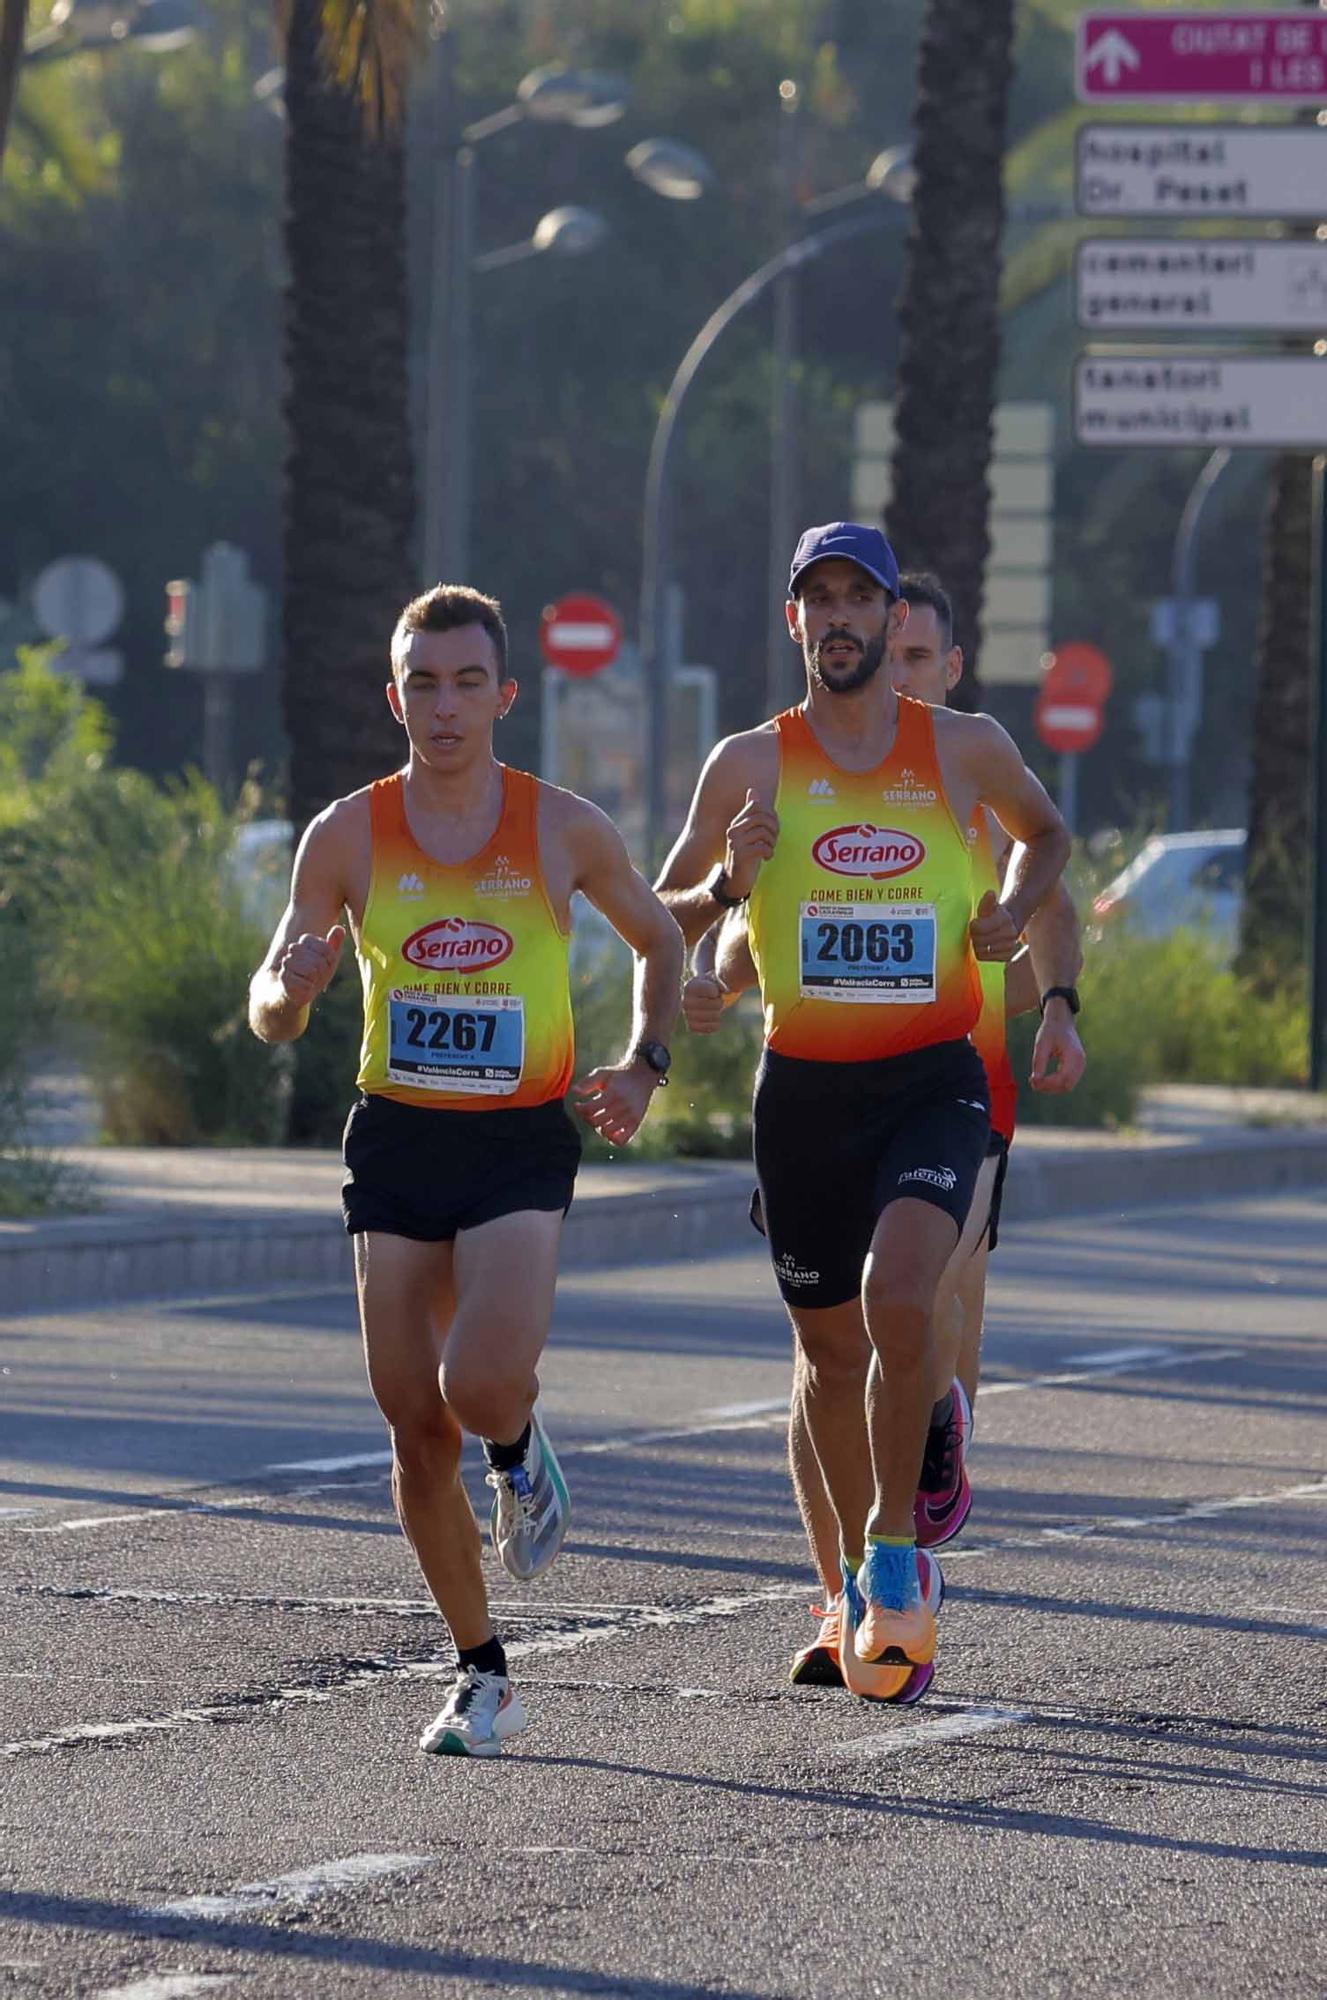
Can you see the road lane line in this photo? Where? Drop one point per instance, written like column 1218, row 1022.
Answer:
column 168, row 1986
column 301, row 1886
column 764, row 1414
column 345, row 1464
column 1107, row 1357
column 935, row 1729
column 1068, row 1376
column 639, row 1619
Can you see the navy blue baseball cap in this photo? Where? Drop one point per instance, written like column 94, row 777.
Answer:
column 851, row 542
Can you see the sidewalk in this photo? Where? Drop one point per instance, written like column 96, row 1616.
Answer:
column 182, row 1223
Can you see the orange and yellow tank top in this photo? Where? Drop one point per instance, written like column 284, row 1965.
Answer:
column 467, row 996
column 859, row 920
column 990, row 1034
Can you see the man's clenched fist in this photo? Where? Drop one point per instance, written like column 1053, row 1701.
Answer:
column 307, row 965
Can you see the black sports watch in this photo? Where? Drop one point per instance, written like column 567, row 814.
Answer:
column 656, row 1057
column 1069, row 995
column 721, row 890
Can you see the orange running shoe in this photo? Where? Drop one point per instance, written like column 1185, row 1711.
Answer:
column 888, row 1654
column 818, row 1665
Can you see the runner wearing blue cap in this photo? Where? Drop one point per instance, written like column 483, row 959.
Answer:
column 842, row 826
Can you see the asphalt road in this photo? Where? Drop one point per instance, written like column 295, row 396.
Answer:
column 215, row 1661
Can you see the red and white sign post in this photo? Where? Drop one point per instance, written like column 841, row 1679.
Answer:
column 1070, row 713
column 1264, row 58
column 580, row 634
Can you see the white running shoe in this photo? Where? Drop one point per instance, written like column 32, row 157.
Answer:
column 531, row 1509
column 481, row 1711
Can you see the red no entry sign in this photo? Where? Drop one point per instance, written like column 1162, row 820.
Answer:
column 1067, row 726
column 1079, row 672
column 1274, row 57
column 580, row 633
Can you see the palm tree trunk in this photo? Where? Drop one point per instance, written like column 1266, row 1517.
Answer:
column 1276, row 898
column 13, row 28
column 949, row 312
column 349, row 506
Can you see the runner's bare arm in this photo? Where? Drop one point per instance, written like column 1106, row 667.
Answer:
column 732, row 820
column 1021, row 803
column 722, row 970
column 614, row 1098
column 306, row 945
column 1055, row 958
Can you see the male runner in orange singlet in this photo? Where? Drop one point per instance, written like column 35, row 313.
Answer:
column 925, row 663
column 455, row 876
column 843, row 825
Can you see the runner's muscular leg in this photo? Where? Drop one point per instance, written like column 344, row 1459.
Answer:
column 913, row 1243
column 406, row 1301
column 831, row 1373
column 505, row 1277
column 812, row 1495
column 972, row 1298
column 952, row 1308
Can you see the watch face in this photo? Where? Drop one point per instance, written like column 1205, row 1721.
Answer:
column 657, row 1056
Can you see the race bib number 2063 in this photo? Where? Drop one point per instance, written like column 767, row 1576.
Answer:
column 863, row 953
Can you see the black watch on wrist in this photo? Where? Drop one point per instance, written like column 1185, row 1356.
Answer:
column 1069, row 995
column 656, row 1057
column 721, row 889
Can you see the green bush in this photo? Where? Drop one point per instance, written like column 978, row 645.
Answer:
column 1167, row 1010
column 149, row 950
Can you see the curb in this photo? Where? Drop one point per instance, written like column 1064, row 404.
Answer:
column 97, row 1261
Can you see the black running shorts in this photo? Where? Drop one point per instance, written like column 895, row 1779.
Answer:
column 836, row 1143
column 411, row 1171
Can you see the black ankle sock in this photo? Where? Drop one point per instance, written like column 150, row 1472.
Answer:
column 486, row 1659
column 943, row 1410
column 506, row 1457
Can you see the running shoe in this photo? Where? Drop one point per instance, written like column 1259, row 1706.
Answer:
column 531, row 1509
column 481, row 1711
column 818, row 1664
column 893, row 1672
column 944, row 1496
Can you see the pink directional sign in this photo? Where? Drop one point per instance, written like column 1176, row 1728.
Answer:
column 1278, row 58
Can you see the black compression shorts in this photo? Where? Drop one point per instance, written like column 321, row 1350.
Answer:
column 411, row 1171
column 836, row 1143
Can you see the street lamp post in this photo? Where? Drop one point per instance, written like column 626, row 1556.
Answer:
column 658, row 645
column 583, row 98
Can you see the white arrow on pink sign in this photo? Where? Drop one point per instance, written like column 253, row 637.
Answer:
column 1259, row 58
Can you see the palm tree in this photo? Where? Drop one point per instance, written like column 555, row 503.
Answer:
column 349, row 495
column 949, row 312
column 13, row 29
column 1272, row 938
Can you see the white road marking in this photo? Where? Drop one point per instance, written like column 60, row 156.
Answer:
column 757, row 1409
column 632, row 1442
column 1163, row 1359
column 332, row 1464
column 636, row 1619
column 14, row 1513
column 168, row 1986
column 763, row 1414
column 303, row 1885
column 1106, row 1357
column 935, row 1729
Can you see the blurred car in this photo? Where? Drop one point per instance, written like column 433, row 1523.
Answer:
column 1180, row 880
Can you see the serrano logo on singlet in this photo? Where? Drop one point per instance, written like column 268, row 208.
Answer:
column 458, row 944
column 874, row 851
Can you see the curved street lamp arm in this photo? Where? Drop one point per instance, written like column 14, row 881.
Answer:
column 654, row 554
